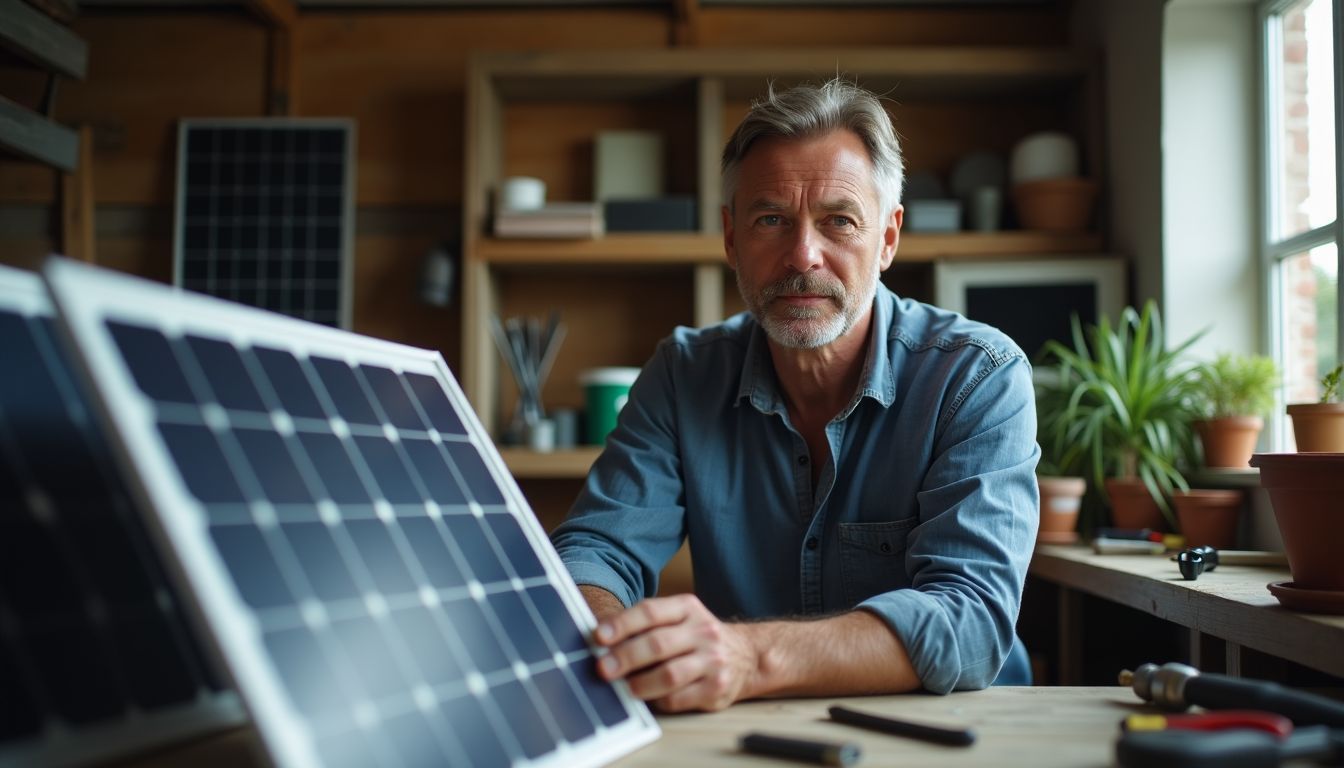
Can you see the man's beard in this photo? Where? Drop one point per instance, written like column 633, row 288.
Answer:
column 806, row 327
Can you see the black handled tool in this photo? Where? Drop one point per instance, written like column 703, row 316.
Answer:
column 954, row 737
column 1177, row 686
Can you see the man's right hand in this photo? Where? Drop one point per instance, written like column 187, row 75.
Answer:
column 673, row 652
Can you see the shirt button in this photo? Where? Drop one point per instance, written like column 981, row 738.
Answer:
column 802, row 461
column 812, row 542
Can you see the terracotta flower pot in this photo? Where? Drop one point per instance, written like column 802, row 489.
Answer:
column 1305, row 490
column 1229, row 442
column 1061, row 204
column 1132, row 506
column 1318, row 427
column 1061, row 498
column 1208, row 517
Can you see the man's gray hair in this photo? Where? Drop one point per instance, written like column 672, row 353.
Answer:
column 807, row 111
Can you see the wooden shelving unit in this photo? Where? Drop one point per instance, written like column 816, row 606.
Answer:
column 528, row 464
column 528, row 112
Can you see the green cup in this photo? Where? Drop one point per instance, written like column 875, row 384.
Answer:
column 606, row 390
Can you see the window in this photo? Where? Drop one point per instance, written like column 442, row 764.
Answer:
column 1302, row 173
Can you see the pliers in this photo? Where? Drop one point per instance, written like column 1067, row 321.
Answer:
column 1219, row 720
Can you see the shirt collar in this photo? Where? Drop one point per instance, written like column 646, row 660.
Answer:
column 759, row 384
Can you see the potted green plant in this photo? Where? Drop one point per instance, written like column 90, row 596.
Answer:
column 1235, row 393
column 1119, row 410
column 1319, row 427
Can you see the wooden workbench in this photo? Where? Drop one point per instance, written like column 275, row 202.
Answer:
column 1230, row 603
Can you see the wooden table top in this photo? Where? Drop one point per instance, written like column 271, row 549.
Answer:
column 1037, row 727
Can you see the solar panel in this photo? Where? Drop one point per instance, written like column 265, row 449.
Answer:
column 264, row 213
column 369, row 569
column 96, row 658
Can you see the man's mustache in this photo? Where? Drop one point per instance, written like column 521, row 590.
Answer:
column 804, row 284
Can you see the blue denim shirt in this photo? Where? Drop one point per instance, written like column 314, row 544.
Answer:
column 925, row 515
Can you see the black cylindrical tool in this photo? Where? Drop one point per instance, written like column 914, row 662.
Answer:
column 1177, row 686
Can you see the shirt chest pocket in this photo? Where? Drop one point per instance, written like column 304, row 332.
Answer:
column 872, row 558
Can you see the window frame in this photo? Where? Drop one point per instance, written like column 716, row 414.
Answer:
column 1275, row 251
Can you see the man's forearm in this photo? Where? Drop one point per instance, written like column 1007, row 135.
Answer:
column 602, row 602
column 854, row 653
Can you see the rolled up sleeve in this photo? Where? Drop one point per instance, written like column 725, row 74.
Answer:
column 978, row 514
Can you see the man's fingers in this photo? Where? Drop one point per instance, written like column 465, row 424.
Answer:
column 667, row 677
column 645, row 615
column 645, row 650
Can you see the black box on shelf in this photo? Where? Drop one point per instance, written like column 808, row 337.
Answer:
column 661, row 214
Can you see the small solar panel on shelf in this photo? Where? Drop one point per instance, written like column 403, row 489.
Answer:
column 264, row 214
column 373, row 576
column 96, row 657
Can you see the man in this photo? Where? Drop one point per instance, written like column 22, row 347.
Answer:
column 855, row 467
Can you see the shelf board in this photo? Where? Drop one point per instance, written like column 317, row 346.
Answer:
column 570, row 463
column 32, row 136
column 42, row 40
column 626, row 249
column 932, row 70
column 674, row 248
column 987, row 246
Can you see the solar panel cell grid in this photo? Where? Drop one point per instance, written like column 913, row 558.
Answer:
column 262, row 214
column 399, row 607
column 95, row 656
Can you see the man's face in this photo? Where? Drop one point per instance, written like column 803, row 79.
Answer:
column 807, row 237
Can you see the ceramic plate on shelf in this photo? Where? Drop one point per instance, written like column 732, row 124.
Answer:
column 1310, row 600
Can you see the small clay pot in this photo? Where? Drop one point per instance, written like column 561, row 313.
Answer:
column 1132, row 506
column 1208, row 517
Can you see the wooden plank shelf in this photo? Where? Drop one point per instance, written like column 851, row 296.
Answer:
column 570, row 463
column 676, row 248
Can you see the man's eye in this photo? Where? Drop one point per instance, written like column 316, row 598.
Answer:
column 769, row 221
column 842, row 221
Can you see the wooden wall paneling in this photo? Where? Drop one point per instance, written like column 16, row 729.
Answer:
column 685, row 23
column 280, row 14
column 751, row 26
column 282, row 66
column 25, row 252
column 146, row 72
column 388, row 269
column 147, row 255
column 402, row 76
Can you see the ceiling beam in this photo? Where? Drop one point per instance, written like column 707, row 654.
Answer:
column 278, row 13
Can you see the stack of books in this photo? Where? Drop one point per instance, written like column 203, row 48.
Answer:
column 553, row 220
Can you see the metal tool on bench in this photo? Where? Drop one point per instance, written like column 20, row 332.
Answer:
column 1196, row 560
column 1317, row 735
column 1178, row 686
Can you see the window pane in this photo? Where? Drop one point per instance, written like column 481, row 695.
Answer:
column 1310, row 322
column 1305, row 109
